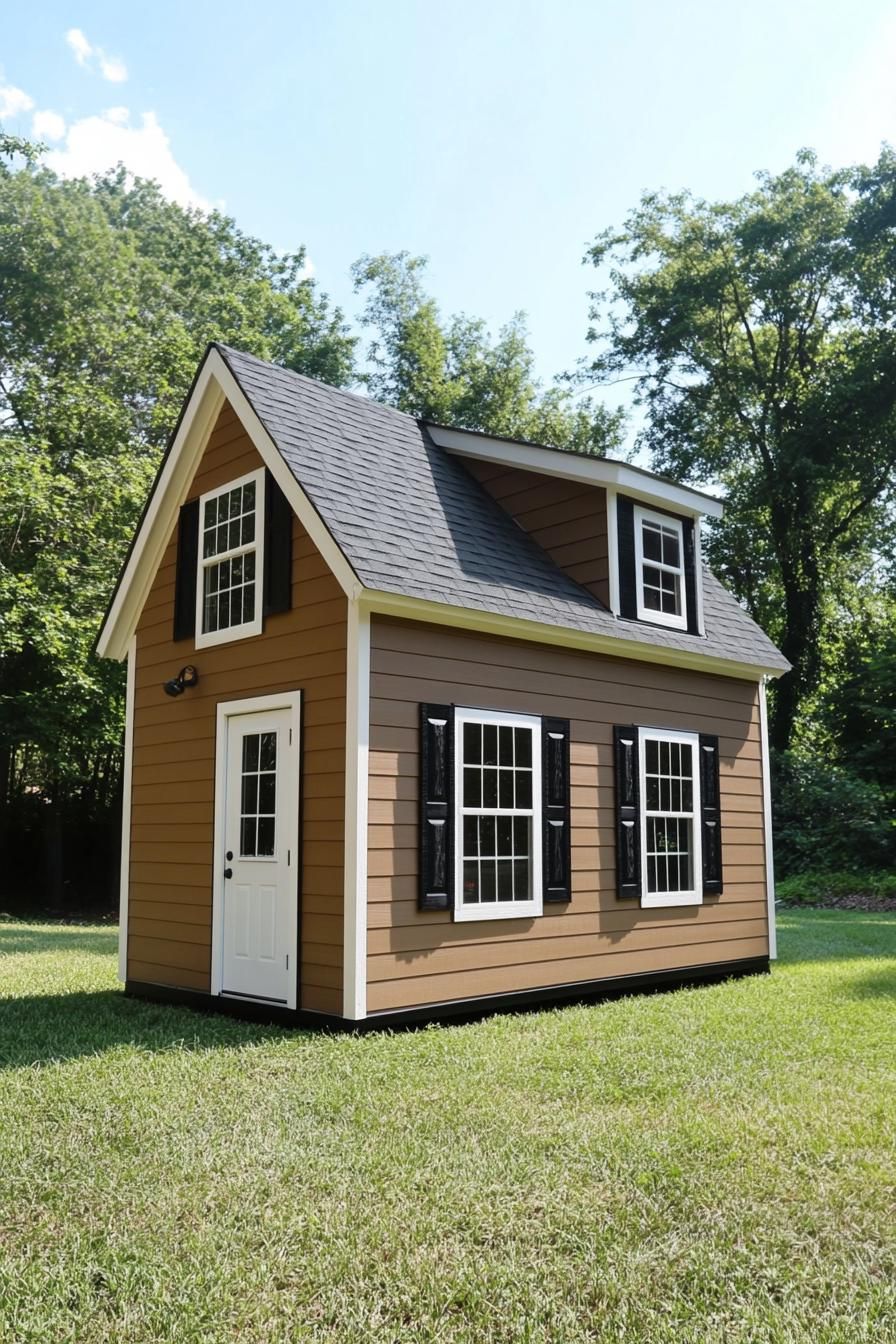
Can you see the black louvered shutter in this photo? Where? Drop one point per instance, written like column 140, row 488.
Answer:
column 710, row 815
column 628, row 583
column 436, row 807
column 277, row 548
column 555, row 809
column 628, row 818
column 690, row 574
column 185, row 575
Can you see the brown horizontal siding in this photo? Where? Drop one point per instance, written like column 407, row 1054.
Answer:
column 566, row 518
column 172, row 821
column 416, row 958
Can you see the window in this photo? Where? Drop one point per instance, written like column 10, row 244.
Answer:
column 258, row 795
column 671, row 870
column 659, row 569
column 498, row 788
column 228, row 591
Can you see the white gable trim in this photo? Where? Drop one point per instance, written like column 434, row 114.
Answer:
column 560, row 636
column 576, row 467
column 214, row 385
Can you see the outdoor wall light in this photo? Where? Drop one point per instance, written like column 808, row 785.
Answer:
column 187, row 676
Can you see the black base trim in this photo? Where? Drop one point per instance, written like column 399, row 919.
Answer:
column 456, row 1010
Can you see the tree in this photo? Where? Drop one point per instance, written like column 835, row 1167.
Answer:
column 760, row 337
column 108, row 296
column 454, row 373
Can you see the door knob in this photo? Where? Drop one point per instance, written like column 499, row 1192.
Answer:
column 228, row 872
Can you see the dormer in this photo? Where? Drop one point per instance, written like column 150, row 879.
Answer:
column 628, row 536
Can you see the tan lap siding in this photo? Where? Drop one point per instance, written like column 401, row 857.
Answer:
column 567, row 518
column 416, row 958
column 169, row 925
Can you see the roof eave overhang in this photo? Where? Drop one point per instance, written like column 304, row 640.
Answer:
column 576, row 467
column 214, row 385
column 380, row 602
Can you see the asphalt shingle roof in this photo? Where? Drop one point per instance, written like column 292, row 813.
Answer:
column 410, row 519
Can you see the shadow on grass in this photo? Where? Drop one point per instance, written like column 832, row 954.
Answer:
column 51, row 1028
column 876, row 985
column 16, row 939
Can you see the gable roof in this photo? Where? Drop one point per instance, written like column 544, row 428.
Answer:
column 408, row 520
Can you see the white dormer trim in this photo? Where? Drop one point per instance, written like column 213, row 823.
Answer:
column 604, row 471
column 214, row 385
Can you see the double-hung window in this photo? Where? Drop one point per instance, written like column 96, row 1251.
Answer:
column 671, row 869
column 498, row 826
column 230, row 560
column 659, row 569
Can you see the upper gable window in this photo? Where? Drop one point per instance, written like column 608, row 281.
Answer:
column 231, row 540
column 659, row 569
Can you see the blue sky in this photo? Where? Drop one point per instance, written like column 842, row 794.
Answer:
column 495, row 137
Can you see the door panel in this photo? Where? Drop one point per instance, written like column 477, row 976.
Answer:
column 258, row 856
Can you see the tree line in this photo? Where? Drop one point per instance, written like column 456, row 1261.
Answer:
column 759, row 341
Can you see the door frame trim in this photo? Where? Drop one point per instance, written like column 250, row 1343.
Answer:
column 232, row 709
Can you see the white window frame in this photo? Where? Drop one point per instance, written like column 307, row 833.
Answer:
column 660, row 899
column 678, row 621
column 497, row 909
column 207, row 639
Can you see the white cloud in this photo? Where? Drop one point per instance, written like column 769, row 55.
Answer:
column 112, row 68
column 79, row 45
column 48, row 126
column 98, row 143
column 13, row 102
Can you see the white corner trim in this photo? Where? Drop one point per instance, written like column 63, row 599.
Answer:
column 559, row 636
column 698, row 574
column 576, row 467
column 127, row 773
column 613, row 548
column 357, row 752
column 767, row 822
column 214, row 384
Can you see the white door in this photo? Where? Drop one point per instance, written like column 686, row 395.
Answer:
column 257, row 854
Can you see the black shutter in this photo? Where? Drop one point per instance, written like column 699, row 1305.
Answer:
column 436, row 807
column 710, row 815
column 625, row 531
column 628, row 816
column 555, row 809
column 277, row 548
column 185, row 575
column 690, row 574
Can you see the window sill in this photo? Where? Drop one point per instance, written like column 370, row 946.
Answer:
column 468, row 914
column 665, row 622
column 660, row 900
column 229, row 636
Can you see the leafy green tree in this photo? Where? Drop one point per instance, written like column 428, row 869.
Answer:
column 453, row 372
column 760, row 338
column 108, row 296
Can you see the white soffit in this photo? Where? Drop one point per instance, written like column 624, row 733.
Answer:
column 576, row 467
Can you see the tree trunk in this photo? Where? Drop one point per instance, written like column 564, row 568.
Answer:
column 54, row 891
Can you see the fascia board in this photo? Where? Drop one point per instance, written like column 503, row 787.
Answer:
column 213, row 386
column 573, row 467
column 512, row 627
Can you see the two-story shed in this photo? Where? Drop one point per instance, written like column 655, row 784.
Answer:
column 422, row 721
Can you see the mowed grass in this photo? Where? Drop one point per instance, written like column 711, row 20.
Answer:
column 715, row 1164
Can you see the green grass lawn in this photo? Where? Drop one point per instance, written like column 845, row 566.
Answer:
column 716, row 1164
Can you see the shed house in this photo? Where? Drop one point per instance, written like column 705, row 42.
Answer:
column 422, row 721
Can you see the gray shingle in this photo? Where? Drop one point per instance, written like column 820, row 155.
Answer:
column 410, row 519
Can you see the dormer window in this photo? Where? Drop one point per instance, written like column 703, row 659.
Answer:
column 228, row 593
column 659, row 569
